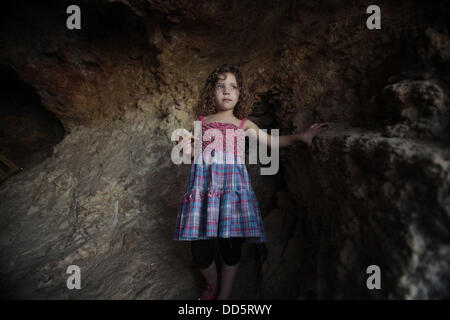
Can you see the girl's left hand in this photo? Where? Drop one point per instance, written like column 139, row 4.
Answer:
column 314, row 130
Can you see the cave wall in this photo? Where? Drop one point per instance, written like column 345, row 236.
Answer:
column 372, row 190
column 28, row 131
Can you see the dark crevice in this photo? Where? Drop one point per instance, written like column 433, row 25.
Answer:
column 28, row 131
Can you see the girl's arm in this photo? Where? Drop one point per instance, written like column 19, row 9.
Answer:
column 287, row 140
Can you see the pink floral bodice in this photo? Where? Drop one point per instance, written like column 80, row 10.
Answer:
column 239, row 135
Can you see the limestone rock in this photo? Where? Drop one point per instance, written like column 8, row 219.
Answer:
column 103, row 194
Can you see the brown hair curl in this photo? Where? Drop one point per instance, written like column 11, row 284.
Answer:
column 206, row 104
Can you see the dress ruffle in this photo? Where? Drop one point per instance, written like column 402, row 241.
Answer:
column 195, row 194
column 211, row 213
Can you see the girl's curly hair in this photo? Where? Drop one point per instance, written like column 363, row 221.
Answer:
column 206, row 104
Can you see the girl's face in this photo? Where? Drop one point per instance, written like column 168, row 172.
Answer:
column 227, row 92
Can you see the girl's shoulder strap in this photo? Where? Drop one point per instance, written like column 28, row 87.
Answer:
column 202, row 118
column 242, row 123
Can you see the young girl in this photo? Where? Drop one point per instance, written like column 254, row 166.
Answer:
column 220, row 202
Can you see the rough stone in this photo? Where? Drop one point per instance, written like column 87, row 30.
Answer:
column 374, row 189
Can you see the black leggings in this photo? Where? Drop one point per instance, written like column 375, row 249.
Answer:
column 204, row 251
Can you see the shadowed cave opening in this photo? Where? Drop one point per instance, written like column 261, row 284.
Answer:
column 28, row 131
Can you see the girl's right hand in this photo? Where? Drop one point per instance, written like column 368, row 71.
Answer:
column 187, row 144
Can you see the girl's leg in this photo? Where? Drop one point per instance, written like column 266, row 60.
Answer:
column 230, row 249
column 210, row 274
column 204, row 252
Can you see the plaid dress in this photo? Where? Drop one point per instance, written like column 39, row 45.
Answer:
column 220, row 201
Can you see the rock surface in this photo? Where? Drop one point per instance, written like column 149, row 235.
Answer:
column 373, row 190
